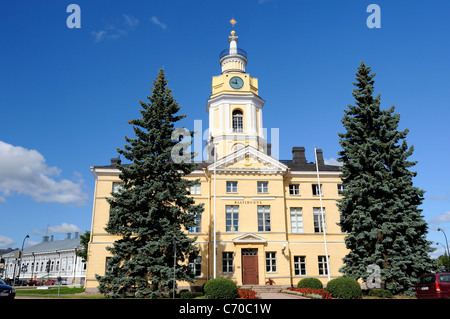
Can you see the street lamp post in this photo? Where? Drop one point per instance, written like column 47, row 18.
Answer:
column 446, row 243
column 20, row 257
column 447, row 259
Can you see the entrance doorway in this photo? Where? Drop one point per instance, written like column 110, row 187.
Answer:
column 250, row 266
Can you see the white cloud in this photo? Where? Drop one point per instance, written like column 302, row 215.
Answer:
column 25, row 172
column 131, row 21
column 442, row 218
column 63, row 228
column 98, row 35
column 112, row 32
column 156, row 21
column 6, row 242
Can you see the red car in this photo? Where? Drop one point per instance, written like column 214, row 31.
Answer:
column 433, row 286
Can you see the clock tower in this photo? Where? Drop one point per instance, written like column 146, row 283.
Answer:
column 234, row 107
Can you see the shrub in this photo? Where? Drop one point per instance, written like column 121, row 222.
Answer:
column 185, row 294
column 220, row 288
column 380, row 293
column 313, row 283
column 345, row 288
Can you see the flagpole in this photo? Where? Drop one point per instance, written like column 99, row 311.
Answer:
column 322, row 216
column 215, row 239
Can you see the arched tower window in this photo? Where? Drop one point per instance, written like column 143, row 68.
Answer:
column 238, row 121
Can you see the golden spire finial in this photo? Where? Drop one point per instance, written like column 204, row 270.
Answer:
column 233, row 22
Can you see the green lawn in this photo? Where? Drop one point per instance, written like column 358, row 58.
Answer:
column 65, row 292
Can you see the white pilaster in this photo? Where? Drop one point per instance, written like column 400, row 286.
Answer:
column 249, row 119
column 227, row 118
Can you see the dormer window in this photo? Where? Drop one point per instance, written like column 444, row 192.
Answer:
column 238, row 121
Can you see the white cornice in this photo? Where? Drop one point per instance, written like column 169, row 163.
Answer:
column 107, row 171
column 235, row 99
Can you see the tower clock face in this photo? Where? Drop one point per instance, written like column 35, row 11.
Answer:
column 236, row 82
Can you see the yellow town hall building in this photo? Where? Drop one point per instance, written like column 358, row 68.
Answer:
column 263, row 215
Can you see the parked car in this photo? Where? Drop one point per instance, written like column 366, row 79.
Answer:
column 433, row 286
column 6, row 291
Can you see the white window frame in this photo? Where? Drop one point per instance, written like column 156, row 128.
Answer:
column 263, row 187
column 232, row 187
column 296, row 220
column 264, row 218
column 198, row 224
column 294, row 189
column 117, row 187
column 238, row 121
column 196, row 189
column 300, row 265
column 318, row 227
column 316, row 189
column 341, row 189
column 232, row 215
column 322, row 263
column 271, row 262
column 227, row 262
column 195, row 265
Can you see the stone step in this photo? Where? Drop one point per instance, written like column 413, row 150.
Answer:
column 266, row 288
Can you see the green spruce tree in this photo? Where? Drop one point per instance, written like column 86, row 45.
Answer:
column 380, row 209
column 152, row 211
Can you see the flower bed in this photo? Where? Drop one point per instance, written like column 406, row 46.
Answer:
column 248, row 294
column 308, row 292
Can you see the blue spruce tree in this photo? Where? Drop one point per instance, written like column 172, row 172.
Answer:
column 152, row 211
column 380, row 209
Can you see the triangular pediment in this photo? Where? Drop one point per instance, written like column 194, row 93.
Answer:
column 250, row 160
column 249, row 238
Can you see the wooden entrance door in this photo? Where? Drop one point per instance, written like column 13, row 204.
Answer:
column 250, row 266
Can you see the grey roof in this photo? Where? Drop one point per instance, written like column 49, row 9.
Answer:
column 310, row 167
column 50, row 246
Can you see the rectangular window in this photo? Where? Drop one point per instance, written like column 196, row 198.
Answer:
column 294, row 189
column 232, row 218
column 195, row 264
column 263, row 187
column 341, row 189
column 317, row 189
column 271, row 262
column 318, row 225
column 198, row 223
column 232, row 187
column 69, row 263
column 323, row 269
column 227, row 263
column 300, row 265
column 263, row 218
column 117, row 187
column 296, row 220
column 195, row 189
column 238, row 121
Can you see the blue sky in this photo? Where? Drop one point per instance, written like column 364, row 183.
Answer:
column 66, row 94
